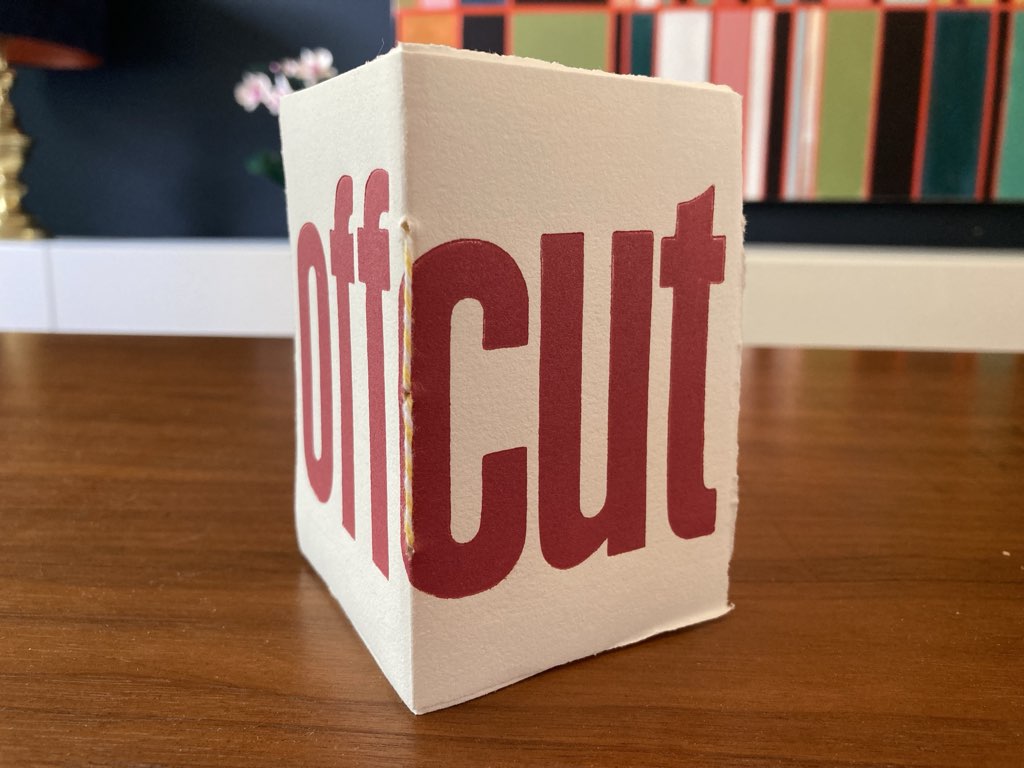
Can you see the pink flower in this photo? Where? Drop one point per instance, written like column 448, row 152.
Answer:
column 256, row 88
column 251, row 92
column 312, row 66
column 290, row 67
column 319, row 65
column 272, row 99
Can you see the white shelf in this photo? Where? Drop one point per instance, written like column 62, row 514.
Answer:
column 884, row 298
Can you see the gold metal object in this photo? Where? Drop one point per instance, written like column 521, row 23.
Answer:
column 14, row 223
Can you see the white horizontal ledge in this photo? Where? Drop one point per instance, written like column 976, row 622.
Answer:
column 181, row 287
column 805, row 296
column 884, row 298
column 25, row 287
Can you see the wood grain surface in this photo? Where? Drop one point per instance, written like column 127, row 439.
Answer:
column 154, row 609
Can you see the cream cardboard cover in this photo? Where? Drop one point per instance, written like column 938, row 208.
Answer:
column 517, row 357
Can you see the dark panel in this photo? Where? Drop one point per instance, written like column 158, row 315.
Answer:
column 957, row 100
column 641, row 37
column 945, row 225
column 620, row 36
column 777, row 114
column 153, row 143
column 899, row 93
column 484, row 33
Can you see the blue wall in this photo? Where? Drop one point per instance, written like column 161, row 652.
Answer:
column 153, row 143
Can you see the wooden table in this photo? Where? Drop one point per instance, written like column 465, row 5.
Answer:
column 154, row 608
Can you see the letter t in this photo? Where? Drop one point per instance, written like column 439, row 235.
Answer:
column 691, row 261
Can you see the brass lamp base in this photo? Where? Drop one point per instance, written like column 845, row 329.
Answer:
column 15, row 224
column 20, row 227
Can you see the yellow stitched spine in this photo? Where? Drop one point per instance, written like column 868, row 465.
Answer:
column 407, row 391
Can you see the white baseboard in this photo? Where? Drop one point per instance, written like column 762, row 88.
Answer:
column 187, row 287
column 25, row 287
column 884, row 298
column 805, row 296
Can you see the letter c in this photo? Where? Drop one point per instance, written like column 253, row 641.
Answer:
column 442, row 277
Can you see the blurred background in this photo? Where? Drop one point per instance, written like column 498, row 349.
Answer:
column 152, row 143
column 896, row 123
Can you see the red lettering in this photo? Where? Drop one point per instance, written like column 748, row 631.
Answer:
column 567, row 536
column 343, row 269
column 442, row 277
column 691, row 261
column 311, row 257
column 375, row 273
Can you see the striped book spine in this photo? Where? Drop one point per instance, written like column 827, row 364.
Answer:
column 844, row 100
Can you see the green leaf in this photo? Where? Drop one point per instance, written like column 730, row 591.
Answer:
column 267, row 164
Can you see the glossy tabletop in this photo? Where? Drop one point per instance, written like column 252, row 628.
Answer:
column 154, row 609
